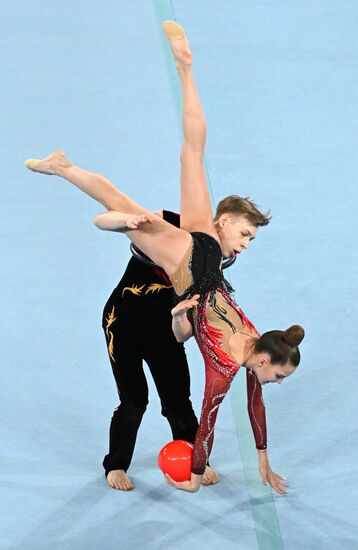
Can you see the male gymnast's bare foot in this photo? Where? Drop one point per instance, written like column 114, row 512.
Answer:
column 51, row 165
column 210, row 477
column 179, row 43
column 118, row 479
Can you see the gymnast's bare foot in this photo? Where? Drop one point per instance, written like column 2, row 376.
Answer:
column 118, row 479
column 210, row 477
column 179, row 43
column 51, row 165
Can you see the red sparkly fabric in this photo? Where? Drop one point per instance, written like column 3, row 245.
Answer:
column 220, row 370
column 216, row 388
column 216, row 318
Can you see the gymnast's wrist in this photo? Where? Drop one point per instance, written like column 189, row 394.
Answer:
column 262, row 454
column 262, row 458
column 179, row 316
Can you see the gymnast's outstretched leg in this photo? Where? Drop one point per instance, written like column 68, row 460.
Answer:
column 123, row 214
column 95, row 185
column 195, row 206
column 170, row 244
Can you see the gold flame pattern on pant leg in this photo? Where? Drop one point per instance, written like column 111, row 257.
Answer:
column 110, row 320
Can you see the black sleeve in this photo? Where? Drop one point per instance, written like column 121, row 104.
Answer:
column 171, row 217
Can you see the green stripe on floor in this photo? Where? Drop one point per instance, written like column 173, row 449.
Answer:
column 263, row 508
column 262, row 505
column 164, row 11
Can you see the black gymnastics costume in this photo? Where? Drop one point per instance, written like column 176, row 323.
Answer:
column 137, row 326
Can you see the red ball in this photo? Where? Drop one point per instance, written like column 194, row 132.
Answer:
column 175, row 459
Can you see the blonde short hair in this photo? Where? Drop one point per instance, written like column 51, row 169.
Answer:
column 242, row 206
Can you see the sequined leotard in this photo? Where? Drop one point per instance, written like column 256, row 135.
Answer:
column 214, row 320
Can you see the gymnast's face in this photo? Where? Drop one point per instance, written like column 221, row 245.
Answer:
column 235, row 233
column 267, row 372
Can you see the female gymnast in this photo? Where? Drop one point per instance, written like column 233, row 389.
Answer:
column 192, row 255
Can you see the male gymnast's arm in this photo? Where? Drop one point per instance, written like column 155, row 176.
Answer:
column 181, row 325
column 114, row 220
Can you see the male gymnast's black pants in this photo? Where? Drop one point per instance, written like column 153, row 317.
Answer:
column 137, row 328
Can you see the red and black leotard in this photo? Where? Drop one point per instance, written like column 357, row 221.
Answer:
column 215, row 319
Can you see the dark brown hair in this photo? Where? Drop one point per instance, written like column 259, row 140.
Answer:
column 282, row 345
column 242, row 206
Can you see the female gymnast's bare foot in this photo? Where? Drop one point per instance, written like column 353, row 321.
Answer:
column 118, row 479
column 179, row 43
column 210, row 477
column 52, row 165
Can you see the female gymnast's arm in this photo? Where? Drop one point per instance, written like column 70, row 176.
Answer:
column 257, row 415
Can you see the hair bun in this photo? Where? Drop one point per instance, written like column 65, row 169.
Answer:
column 294, row 335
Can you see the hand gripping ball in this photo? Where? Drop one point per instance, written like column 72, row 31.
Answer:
column 175, row 459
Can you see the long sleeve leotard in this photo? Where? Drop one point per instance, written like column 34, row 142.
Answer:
column 215, row 319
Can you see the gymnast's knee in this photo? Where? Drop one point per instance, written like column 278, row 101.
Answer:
column 132, row 412
column 182, row 411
